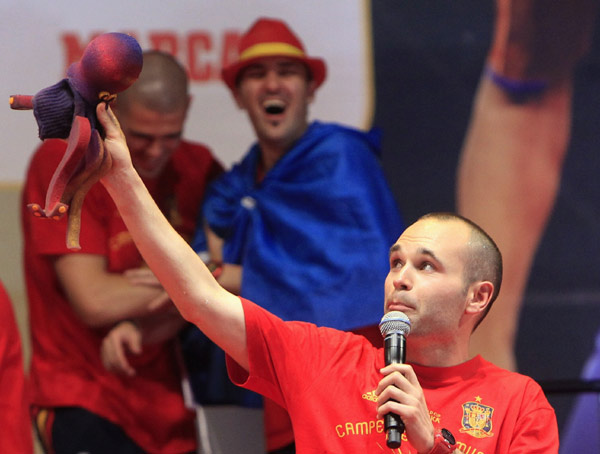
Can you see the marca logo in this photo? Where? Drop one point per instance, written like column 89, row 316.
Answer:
column 477, row 419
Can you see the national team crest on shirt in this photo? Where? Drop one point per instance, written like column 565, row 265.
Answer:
column 477, row 419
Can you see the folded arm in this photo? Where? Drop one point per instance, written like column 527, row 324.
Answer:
column 101, row 298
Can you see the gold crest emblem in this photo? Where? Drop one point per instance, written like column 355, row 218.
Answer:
column 477, row 419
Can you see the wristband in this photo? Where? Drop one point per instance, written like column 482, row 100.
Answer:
column 443, row 442
column 215, row 268
column 519, row 90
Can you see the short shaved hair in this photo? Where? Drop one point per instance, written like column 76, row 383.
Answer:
column 162, row 85
column 483, row 261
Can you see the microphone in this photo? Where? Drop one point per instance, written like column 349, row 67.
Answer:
column 394, row 327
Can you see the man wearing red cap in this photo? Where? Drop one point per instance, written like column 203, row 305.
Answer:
column 300, row 200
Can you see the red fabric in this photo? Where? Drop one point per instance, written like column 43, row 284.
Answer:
column 278, row 426
column 66, row 368
column 15, row 428
column 326, row 379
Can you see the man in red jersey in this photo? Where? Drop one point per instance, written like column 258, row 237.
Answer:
column 76, row 297
column 444, row 274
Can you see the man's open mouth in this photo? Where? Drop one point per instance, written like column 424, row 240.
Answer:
column 274, row 106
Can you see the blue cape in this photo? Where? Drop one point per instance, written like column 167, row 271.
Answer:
column 313, row 236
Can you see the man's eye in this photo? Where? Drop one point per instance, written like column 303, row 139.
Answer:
column 172, row 137
column 254, row 74
column 396, row 263
column 141, row 139
column 427, row 266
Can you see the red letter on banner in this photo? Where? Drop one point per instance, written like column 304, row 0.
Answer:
column 165, row 41
column 199, row 44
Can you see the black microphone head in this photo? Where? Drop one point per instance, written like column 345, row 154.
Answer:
column 394, row 322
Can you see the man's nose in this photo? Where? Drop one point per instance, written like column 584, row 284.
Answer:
column 155, row 148
column 403, row 279
column 272, row 81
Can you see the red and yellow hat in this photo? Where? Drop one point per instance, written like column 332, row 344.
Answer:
column 271, row 38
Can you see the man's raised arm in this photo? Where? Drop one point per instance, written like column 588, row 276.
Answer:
column 191, row 286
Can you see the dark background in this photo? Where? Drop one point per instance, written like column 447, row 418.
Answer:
column 428, row 58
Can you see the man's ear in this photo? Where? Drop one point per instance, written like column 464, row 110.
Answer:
column 312, row 88
column 479, row 296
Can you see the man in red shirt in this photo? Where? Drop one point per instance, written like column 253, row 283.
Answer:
column 444, row 274
column 76, row 297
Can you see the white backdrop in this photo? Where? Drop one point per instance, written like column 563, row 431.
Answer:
column 36, row 35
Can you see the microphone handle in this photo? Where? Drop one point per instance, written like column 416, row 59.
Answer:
column 395, row 352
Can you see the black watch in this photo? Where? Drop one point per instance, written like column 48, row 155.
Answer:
column 443, row 442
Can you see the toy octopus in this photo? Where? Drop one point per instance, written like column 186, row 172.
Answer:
column 67, row 110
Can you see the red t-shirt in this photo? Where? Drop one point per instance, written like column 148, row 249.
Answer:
column 327, row 378
column 15, row 427
column 66, row 368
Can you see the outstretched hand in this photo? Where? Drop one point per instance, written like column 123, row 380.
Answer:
column 114, row 142
column 399, row 392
